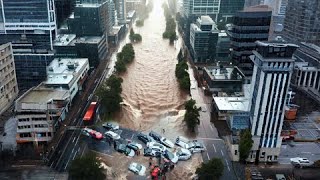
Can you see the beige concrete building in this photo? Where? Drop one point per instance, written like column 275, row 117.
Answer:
column 8, row 80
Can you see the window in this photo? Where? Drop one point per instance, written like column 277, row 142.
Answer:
column 235, row 152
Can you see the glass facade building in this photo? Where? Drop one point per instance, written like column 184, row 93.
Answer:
column 248, row 26
column 228, row 8
column 31, row 27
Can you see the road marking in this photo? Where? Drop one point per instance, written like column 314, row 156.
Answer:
column 213, row 139
column 205, row 147
column 227, row 164
column 208, row 156
column 214, row 147
column 211, row 128
column 222, row 152
column 73, row 139
column 75, row 154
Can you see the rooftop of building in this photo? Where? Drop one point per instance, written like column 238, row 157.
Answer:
column 232, row 103
column 63, row 70
column 64, row 39
column 312, row 46
column 205, row 20
column 71, row 40
column 257, row 8
column 224, row 73
column 88, row 5
column 38, row 97
column 305, row 66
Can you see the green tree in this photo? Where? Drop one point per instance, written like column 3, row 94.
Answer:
column 137, row 37
column 245, row 144
column 131, row 36
column 191, row 117
column 120, row 66
column 185, row 83
column 86, row 168
column 212, row 170
column 109, row 94
column 139, row 23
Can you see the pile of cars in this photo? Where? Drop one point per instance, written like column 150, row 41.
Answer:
column 156, row 146
column 161, row 146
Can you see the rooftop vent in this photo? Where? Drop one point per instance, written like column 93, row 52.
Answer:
column 64, row 76
column 50, row 69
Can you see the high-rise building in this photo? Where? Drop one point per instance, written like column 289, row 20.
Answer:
column 8, row 81
column 228, row 8
column 248, row 26
column 278, row 14
column 203, row 40
column 301, row 23
column 249, row 3
column 63, row 9
column 201, row 7
column 89, row 19
column 120, row 6
column 270, row 83
column 34, row 19
column 31, row 27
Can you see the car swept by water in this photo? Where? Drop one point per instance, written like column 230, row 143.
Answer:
column 137, row 168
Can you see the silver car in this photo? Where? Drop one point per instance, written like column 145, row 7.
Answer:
column 183, row 154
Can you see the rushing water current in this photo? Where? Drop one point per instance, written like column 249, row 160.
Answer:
column 151, row 94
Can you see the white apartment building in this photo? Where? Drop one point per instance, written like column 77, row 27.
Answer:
column 39, row 112
column 68, row 74
column 8, row 80
column 273, row 67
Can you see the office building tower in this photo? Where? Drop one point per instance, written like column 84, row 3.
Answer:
column 203, row 40
column 31, row 27
column 8, row 81
column 228, row 8
column 89, row 19
column 273, row 66
column 64, row 8
column 120, row 6
column 248, row 26
column 278, row 14
column 201, row 7
column 301, row 23
column 306, row 76
column 249, row 3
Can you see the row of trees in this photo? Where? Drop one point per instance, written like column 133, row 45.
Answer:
column 134, row 37
column 143, row 13
column 170, row 32
column 124, row 57
column 192, row 115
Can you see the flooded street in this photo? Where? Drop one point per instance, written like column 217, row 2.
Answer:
column 151, row 92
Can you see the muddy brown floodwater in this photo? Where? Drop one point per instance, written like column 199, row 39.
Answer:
column 151, row 94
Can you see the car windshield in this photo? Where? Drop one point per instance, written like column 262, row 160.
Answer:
column 170, row 155
column 190, row 144
column 139, row 167
column 179, row 153
column 128, row 150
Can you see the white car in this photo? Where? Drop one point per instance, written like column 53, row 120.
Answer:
column 137, row 168
column 204, row 108
column 300, row 162
column 166, row 142
column 171, row 156
column 183, row 154
column 182, row 141
column 112, row 135
column 195, row 146
column 156, row 146
column 111, row 126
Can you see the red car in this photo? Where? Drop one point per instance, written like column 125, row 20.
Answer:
column 93, row 133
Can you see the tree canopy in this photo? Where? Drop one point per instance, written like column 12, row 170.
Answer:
column 192, row 115
column 182, row 75
column 170, row 32
column 212, row 170
column 109, row 94
column 134, row 37
column 245, row 144
column 86, row 168
column 124, row 57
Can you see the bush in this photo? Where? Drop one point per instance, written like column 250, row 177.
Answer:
column 139, row 23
